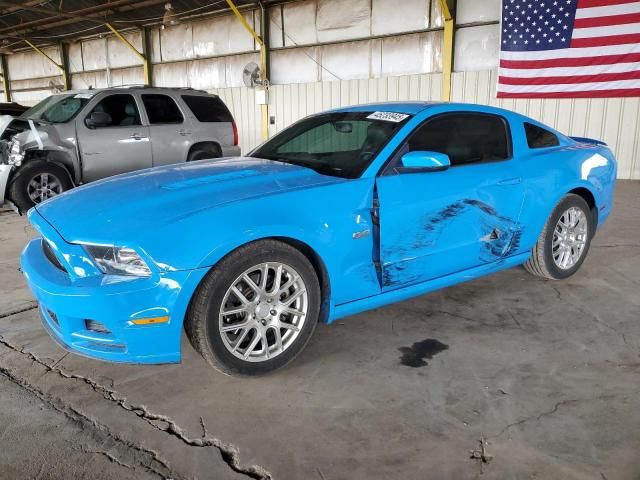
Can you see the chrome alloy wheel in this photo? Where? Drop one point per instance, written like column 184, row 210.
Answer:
column 263, row 312
column 569, row 238
column 43, row 186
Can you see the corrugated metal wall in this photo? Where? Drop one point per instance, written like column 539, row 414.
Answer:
column 614, row 120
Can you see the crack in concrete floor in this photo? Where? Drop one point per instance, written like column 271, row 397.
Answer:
column 156, row 465
column 230, row 453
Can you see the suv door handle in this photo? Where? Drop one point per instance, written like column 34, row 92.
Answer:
column 510, row 181
column 137, row 136
column 184, row 132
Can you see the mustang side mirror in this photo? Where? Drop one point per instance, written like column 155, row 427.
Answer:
column 422, row 162
column 98, row 119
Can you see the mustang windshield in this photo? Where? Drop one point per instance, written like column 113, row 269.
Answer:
column 57, row 108
column 341, row 144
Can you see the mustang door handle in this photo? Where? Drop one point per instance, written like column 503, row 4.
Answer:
column 510, row 181
column 137, row 136
column 184, row 132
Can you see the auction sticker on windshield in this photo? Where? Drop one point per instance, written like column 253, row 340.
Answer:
column 388, row 116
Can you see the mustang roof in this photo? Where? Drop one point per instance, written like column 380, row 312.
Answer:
column 398, row 107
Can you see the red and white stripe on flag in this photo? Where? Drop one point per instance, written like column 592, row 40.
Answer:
column 600, row 59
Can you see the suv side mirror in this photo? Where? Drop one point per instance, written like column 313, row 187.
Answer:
column 422, row 162
column 98, row 119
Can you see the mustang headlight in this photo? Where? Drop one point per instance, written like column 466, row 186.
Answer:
column 16, row 155
column 118, row 260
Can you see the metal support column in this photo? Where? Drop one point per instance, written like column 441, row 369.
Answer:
column 146, row 64
column 64, row 57
column 6, row 80
column 447, row 57
column 264, row 56
column 146, row 52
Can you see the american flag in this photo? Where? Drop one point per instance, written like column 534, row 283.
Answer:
column 569, row 49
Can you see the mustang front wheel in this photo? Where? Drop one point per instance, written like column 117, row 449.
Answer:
column 256, row 310
column 565, row 240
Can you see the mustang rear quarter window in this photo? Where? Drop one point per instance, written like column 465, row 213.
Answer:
column 538, row 137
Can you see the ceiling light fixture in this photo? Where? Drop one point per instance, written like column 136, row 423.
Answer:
column 170, row 17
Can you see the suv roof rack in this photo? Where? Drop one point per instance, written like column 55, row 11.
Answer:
column 141, row 85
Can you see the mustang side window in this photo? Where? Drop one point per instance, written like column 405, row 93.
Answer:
column 121, row 110
column 538, row 137
column 466, row 138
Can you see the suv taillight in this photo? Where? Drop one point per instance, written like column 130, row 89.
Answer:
column 235, row 133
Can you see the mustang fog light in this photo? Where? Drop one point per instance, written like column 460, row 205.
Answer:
column 118, row 260
column 95, row 326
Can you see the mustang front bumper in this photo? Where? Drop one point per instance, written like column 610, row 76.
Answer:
column 94, row 315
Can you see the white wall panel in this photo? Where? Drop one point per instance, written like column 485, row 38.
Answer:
column 300, row 23
column 346, row 60
column 94, row 54
column 472, row 11
column 171, row 74
column 75, row 57
column 206, row 74
column 409, row 54
column 176, row 43
column 30, row 64
column 340, row 20
column 80, row 81
column 275, row 26
column 385, row 18
column 121, row 55
column 222, row 36
column 477, row 48
column 294, row 65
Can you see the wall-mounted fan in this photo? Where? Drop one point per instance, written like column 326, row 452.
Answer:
column 251, row 75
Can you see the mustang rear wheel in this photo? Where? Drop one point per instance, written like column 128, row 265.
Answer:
column 256, row 310
column 565, row 240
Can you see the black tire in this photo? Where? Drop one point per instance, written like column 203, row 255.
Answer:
column 201, row 323
column 204, row 153
column 541, row 263
column 18, row 189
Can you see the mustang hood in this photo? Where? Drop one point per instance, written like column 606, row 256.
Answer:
column 120, row 207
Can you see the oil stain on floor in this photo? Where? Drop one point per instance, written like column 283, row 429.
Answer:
column 415, row 355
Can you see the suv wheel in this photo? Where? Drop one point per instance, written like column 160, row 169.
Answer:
column 203, row 153
column 36, row 182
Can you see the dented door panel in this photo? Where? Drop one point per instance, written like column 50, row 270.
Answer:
column 435, row 224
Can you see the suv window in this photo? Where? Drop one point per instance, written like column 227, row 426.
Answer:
column 161, row 109
column 122, row 109
column 208, row 109
column 464, row 137
column 57, row 108
column 538, row 137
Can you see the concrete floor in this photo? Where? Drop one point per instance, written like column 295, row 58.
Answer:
column 548, row 373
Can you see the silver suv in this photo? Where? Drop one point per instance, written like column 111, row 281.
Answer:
column 80, row 136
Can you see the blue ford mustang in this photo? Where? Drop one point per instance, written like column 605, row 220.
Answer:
column 342, row 212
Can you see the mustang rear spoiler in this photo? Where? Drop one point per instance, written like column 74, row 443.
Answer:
column 588, row 140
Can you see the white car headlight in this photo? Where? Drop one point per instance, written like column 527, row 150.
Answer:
column 118, row 260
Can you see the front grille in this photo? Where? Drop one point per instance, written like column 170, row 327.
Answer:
column 51, row 256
